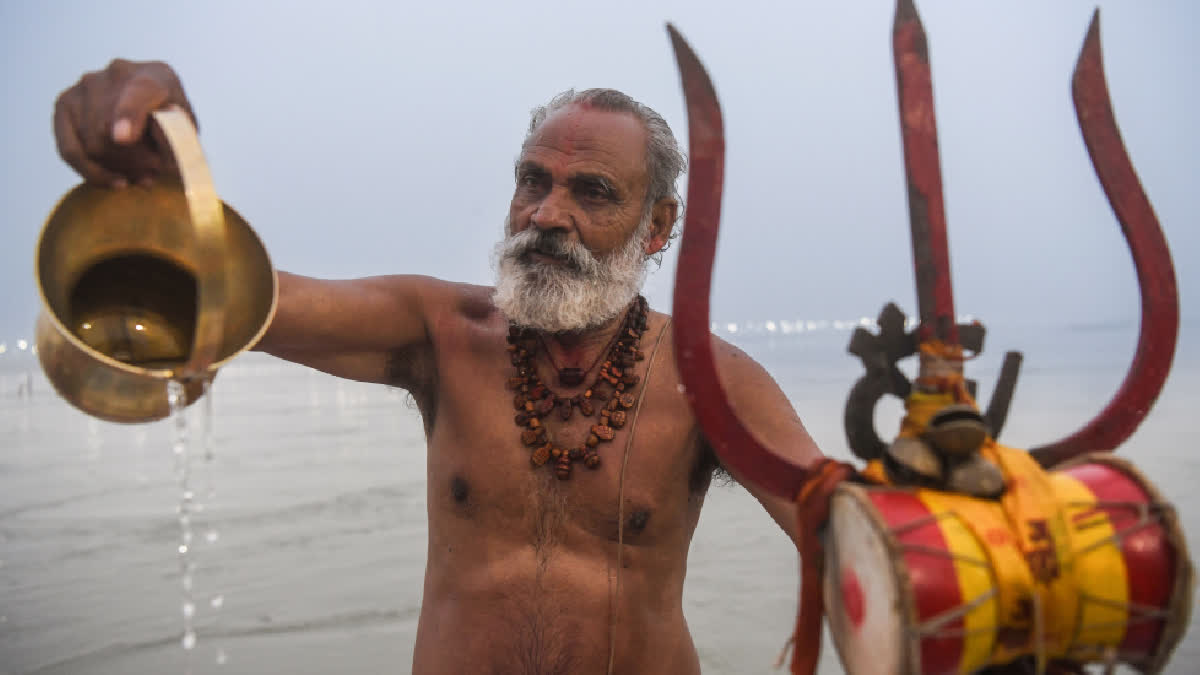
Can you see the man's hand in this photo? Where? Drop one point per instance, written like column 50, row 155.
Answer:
column 102, row 124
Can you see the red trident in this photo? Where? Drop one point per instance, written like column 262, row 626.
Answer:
column 737, row 446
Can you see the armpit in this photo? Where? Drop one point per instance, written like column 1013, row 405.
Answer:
column 415, row 370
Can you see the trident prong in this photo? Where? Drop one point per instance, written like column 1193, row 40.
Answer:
column 1159, row 327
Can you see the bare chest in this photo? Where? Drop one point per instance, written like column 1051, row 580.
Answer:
column 631, row 472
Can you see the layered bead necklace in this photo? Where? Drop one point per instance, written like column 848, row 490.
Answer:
column 610, row 394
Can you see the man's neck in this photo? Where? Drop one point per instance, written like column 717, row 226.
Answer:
column 579, row 349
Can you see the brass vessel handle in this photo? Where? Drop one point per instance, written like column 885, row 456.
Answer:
column 208, row 223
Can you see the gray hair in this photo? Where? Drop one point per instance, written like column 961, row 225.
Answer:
column 665, row 161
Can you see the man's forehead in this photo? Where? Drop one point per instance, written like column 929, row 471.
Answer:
column 578, row 132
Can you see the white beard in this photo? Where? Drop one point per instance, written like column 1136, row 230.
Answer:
column 582, row 293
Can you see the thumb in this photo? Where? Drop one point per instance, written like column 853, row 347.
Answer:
column 137, row 100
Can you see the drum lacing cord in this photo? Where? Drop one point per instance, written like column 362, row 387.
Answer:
column 1149, row 513
column 614, row 597
column 812, row 511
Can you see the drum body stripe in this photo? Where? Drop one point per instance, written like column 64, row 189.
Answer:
column 1147, row 551
column 931, row 574
column 1097, row 568
column 974, row 572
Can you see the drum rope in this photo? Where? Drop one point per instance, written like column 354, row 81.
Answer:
column 1039, row 633
column 935, row 624
column 918, row 523
column 1148, row 514
column 941, row 553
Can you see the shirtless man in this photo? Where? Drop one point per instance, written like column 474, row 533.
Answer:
column 522, row 573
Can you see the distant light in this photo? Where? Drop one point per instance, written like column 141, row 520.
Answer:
column 785, row 326
column 866, row 322
column 87, row 326
column 33, row 349
column 771, row 326
column 714, row 327
column 138, row 326
column 731, row 327
column 812, row 325
column 837, row 325
column 22, row 345
column 3, row 347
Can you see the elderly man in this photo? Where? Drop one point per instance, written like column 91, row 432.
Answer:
column 566, row 471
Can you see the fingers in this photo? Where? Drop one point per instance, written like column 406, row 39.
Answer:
column 102, row 123
column 71, row 149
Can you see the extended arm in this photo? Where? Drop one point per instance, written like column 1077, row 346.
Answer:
column 356, row 328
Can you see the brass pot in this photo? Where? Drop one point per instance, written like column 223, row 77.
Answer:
column 148, row 284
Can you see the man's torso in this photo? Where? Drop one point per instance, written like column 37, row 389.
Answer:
column 521, row 565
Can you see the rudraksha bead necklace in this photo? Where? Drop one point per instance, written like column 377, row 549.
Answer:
column 571, row 376
column 610, row 394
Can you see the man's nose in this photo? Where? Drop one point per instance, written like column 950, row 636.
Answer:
column 554, row 212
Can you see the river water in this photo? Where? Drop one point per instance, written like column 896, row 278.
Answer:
column 307, row 524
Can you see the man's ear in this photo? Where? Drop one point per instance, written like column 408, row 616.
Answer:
column 662, row 219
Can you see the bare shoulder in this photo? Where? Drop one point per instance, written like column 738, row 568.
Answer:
column 434, row 300
column 750, row 389
column 749, row 384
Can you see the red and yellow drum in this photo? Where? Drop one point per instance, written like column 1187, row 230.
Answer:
column 1086, row 562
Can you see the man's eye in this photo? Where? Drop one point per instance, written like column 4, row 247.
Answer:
column 597, row 191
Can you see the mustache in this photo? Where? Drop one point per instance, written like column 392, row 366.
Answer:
column 551, row 243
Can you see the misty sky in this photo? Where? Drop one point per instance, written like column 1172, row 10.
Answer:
column 368, row 138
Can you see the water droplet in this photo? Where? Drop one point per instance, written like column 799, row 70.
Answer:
column 189, row 610
column 682, row 389
column 211, row 536
column 189, row 639
column 217, row 602
column 222, row 657
column 183, row 549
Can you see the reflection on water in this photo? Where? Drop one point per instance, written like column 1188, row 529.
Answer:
column 138, row 308
column 312, row 559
